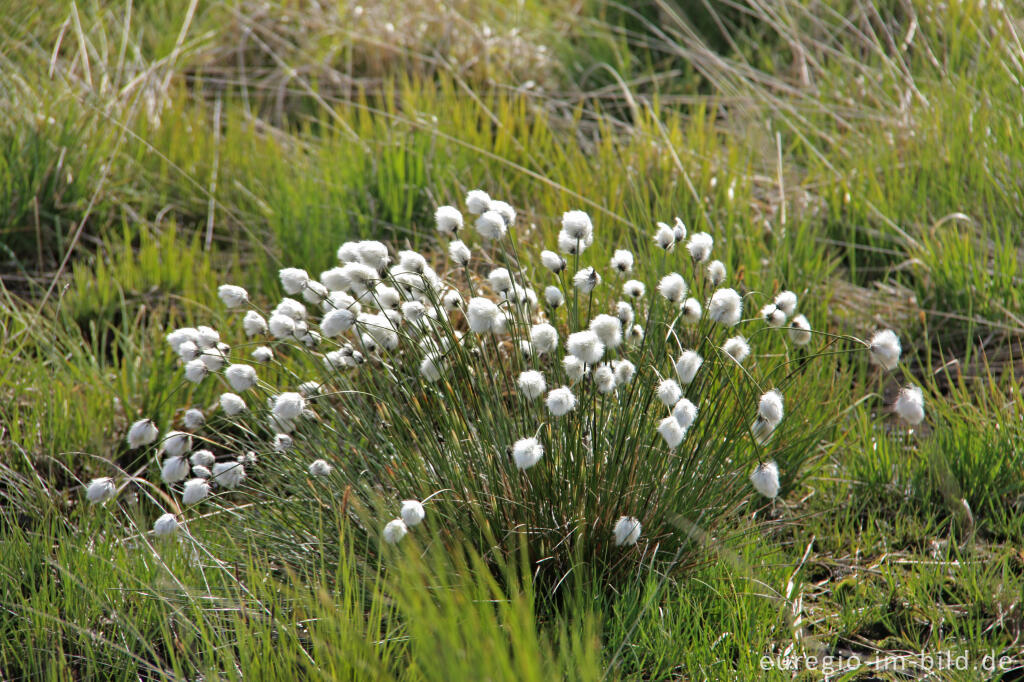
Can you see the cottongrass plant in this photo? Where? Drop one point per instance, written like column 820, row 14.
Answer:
column 594, row 413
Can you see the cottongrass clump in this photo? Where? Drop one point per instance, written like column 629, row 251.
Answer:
column 588, row 422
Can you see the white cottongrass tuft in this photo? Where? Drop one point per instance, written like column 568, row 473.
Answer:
column 412, row 512
column 608, row 330
column 448, row 220
column 337, row 322
column 687, row 366
column 786, row 300
column 253, row 324
column 716, row 272
column 699, row 246
column 504, row 209
column 176, row 443
column 100, row 490
column 627, row 531
column 195, row 371
column 262, row 354
column 685, row 413
column 624, row 371
column 604, row 379
column 288, row 405
column 737, row 348
column 482, row 314
column 665, row 237
column 633, row 289
column 282, row 442
column 490, row 225
column 166, row 525
column 586, row 345
column 194, row 419
column 241, row 377
column 477, row 201
column 232, row 296
column 293, row 280
column 232, row 404
column 885, row 349
column 526, row 452
column 726, row 307
column 320, row 467
column 196, row 490
column 624, row 311
column 459, row 253
column 673, row 287
column 500, row 279
column 575, row 369
column 586, row 280
column 281, row 326
column 909, row 405
column 553, row 296
column 560, row 401
column 577, row 225
column 543, row 338
column 394, row 531
column 142, row 432
column 800, row 331
column 770, row 408
column 622, row 261
column 671, row 431
column 174, row 469
column 532, row 384
column 202, row 458
column 228, row 474
column 552, row 261
column 669, row 392
column 765, row 479
column 773, row 315
column 199, row 471
column 691, row 311
column 429, row 367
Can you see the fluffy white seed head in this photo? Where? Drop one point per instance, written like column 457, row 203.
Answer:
column 626, row 531
column 669, row 392
column 624, row 371
column 552, row 261
column 773, row 315
column 314, row 292
column 575, row 369
column 765, row 479
column 570, row 245
column 685, row 413
column 288, row 405
column 586, row 345
column 633, row 289
column 394, row 531
column 253, row 324
column 142, row 432
column 499, row 279
column 448, row 220
column 622, row 262
column 180, row 336
column 281, row 442
column 490, row 225
column 699, row 246
column 459, row 253
column 176, row 443
column 262, row 354
column 909, row 405
column 482, row 315
column 165, row 526
column 543, row 338
column 451, row 300
column 665, row 237
column 477, row 201
column 202, row 458
column 337, row 322
column 716, row 272
column 505, row 210
column 671, row 431
column 232, row 404
column 232, row 296
column 560, row 401
column 430, row 367
column 624, row 311
column 885, row 349
column 553, row 296
column 281, row 326
column 228, row 474
column 213, row 358
column 586, row 280
column 100, row 490
column 188, row 351
column 241, row 377
column 532, row 384
column 800, row 331
column 577, row 225
column 604, row 378
column 786, row 300
column 526, row 452
column 199, row 471
column 726, row 307
column 412, row 512
column 673, row 287
column 174, row 469
column 293, row 280
column 687, row 366
column 320, row 467
column 691, row 311
column 608, row 329
column 207, row 337
column 770, row 408
column 194, row 419
column 196, row 490
column 335, row 280
column 195, row 371
column 635, row 335
column 737, row 348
